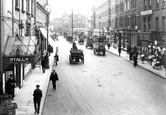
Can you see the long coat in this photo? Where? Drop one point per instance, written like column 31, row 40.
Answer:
column 37, row 95
column 54, row 77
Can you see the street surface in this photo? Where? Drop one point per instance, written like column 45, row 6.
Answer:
column 103, row 85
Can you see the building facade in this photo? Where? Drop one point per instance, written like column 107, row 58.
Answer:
column 133, row 22
column 21, row 43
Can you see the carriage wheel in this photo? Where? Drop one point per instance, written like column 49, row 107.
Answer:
column 82, row 61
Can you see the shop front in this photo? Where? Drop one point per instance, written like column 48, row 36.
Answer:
column 152, row 41
column 19, row 56
column 127, row 38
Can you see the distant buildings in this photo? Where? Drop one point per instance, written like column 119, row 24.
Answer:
column 64, row 24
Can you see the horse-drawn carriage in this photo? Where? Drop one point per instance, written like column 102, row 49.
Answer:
column 76, row 55
column 69, row 38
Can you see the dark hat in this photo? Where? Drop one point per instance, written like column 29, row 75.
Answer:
column 37, row 85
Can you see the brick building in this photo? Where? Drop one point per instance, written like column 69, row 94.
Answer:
column 138, row 23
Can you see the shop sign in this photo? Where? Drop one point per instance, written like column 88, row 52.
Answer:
column 18, row 59
column 147, row 12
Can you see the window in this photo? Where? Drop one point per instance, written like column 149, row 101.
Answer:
column 163, row 23
column 32, row 7
column 23, row 5
column 149, row 23
column 164, row 3
column 17, row 4
column 150, row 4
column 27, row 6
column 145, row 4
column 157, row 23
column 144, row 22
column 157, row 4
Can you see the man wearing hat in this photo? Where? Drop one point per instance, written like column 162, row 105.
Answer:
column 37, row 95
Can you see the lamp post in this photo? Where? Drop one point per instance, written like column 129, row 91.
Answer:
column 48, row 9
column 99, row 24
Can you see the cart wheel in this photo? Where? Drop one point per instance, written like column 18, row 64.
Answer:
column 103, row 53
column 94, row 51
column 70, row 61
column 82, row 61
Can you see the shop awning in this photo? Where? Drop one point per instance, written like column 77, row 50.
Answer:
column 44, row 32
column 26, row 45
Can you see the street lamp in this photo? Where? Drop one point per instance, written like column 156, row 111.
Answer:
column 48, row 9
column 99, row 24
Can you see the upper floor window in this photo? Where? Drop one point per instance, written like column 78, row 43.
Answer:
column 149, row 23
column 144, row 22
column 164, row 3
column 157, row 23
column 145, row 4
column 150, row 4
column 23, row 5
column 32, row 7
column 28, row 5
column 157, row 4
column 163, row 23
column 133, row 4
column 17, row 4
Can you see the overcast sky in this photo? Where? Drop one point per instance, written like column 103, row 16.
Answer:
column 58, row 7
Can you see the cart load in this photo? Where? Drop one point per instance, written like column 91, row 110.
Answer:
column 76, row 55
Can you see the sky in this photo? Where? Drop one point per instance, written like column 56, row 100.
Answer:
column 58, row 7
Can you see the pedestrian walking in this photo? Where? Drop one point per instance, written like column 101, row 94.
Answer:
column 54, row 78
column 10, row 85
column 43, row 64
column 56, row 58
column 108, row 45
column 143, row 57
column 119, row 50
column 135, row 56
column 37, row 95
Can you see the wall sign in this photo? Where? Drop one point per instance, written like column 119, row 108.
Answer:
column 18, row 59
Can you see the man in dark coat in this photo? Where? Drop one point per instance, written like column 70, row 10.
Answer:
column 37, row 95
column 54, row 78
column 43, row 64
column 10, row 86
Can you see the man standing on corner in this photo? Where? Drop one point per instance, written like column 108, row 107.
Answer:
column 54, row 78
column 37, row 95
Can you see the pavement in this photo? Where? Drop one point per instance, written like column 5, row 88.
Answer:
column 24, row 97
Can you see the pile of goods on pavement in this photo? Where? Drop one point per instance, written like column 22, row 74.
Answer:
column 6, row 105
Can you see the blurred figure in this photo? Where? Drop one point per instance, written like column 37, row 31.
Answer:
column 10, row 85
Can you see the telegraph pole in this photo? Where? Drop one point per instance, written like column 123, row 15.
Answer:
column 1, row 58
column 72, row 24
